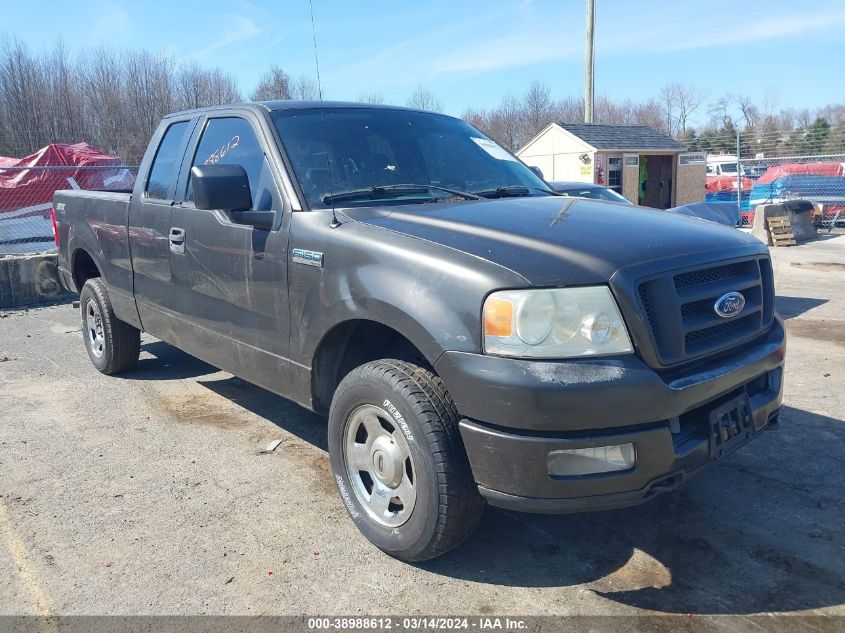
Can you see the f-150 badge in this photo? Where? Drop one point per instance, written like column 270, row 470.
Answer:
column 309, row 258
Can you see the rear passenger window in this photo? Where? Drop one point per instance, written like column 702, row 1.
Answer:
column 232, row 141
column 165, row 161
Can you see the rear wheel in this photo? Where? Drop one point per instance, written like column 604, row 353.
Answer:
column 399, row 462
column 113, row 345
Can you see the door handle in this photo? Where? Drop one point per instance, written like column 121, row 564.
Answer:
column 177, row 240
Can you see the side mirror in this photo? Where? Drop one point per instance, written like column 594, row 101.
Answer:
column 221, row 188
column 537, row 171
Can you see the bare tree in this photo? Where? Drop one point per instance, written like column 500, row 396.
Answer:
column 305, row 88
column 649, row 113
column 771, row 100
column 102, row 78
column 274, row 84
column 424, row 99
column 668, row 99
column 749, row 110
column 570, row 109
column 477, row 118
column 195, row 87
column 720, row 111
column 804, row 118
column 507, row 124
column 67, row 122
column 22, row 91
column 112, row 100
column 688, row 100
column 371, row 97
column 537, row 109
column 223, row 88
column 191, row 87
column 834, row 113
column 149, row 88
column 679, row 102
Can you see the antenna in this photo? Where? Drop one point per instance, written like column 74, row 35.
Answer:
column 335, row 222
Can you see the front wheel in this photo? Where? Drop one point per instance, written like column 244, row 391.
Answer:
column 398, row 460
column 113, row 345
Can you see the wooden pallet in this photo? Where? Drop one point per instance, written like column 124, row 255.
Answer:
column 780, row 230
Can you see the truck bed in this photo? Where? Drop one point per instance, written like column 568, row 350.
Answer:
column 96, row 221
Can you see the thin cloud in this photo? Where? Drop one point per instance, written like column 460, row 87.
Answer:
column 109, row 19
column 240, row 29
column 755, row 31
column 545, row 45
column 510, row 51
column 673, row 38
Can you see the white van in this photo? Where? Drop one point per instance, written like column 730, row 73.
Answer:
column 722, row 165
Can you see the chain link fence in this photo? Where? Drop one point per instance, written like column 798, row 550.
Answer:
column 768, row 168
column 819, row 179
column 744, row 168
column 26, row 195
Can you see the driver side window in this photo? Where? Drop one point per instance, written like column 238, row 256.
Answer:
column 232, row 141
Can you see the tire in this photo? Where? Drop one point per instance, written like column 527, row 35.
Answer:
column 112, row 345
column 399, row 462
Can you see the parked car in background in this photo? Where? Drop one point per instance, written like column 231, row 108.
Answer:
column 722, row 165
column 588, row 190
column 753, row 171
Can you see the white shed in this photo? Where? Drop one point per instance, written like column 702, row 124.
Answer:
column 637, row 161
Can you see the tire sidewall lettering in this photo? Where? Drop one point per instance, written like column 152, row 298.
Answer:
column 399, row 418
column 346, row 497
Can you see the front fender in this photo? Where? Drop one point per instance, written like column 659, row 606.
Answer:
column 421, row 315
column 429, row 293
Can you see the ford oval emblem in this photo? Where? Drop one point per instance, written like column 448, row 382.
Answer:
column 729, row 305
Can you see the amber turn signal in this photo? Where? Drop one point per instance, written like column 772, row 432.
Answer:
column 498, row 317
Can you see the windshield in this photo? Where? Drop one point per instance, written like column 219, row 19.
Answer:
column 374, row 148
column 598, row 193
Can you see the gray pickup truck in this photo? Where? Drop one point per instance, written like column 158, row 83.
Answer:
column 471, row 336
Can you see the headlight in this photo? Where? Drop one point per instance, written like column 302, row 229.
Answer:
column 559, row 323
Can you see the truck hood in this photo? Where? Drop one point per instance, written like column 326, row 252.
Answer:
column 553, row 241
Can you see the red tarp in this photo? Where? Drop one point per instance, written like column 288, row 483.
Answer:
column 816, row 169
column 726, row 183
column 24, row 188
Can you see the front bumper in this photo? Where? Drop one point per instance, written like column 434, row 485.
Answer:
column 518, row 411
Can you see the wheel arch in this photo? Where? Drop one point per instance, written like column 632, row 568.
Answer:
column 83, row 267
column 352, row 343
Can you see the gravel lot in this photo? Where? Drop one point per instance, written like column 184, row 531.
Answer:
column 147, row 494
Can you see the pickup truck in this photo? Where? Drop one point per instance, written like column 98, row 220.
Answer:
column 472, row 337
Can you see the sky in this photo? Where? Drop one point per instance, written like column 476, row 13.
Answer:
column 472, row 52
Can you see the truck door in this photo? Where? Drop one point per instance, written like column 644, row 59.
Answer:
column 230, row 279
column 149, row 223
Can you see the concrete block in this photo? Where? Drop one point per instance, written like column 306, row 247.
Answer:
column 802, row 223
column 28, row 279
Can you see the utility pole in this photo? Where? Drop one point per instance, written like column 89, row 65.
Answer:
column 739, row 171
column 589, row 64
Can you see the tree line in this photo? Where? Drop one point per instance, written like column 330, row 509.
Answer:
column 114, row 100
column 763, row 128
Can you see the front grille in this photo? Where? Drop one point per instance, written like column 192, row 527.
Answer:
column 719, row 330
column 698, row 277
column 679, row 308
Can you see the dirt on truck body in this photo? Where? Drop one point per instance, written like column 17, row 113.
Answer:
column 472, row 336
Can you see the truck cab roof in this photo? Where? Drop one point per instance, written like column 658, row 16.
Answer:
column 290, row 104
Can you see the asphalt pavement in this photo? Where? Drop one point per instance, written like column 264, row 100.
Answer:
column 149, row 494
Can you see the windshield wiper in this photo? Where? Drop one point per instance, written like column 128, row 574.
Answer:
column 514, row 191
column 376, row 193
